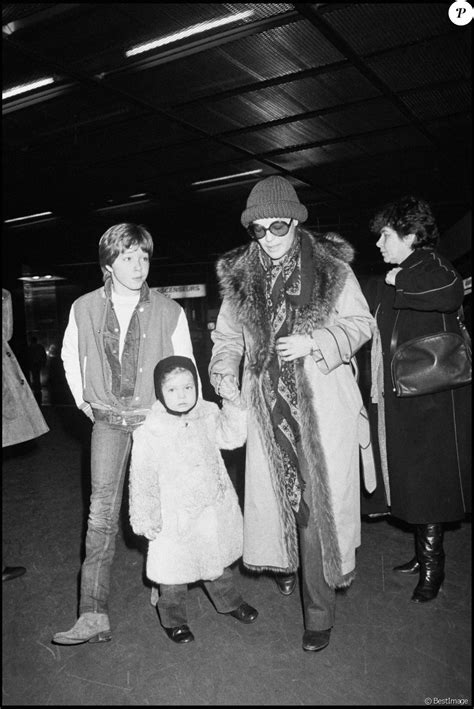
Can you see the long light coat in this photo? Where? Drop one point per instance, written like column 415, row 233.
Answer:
column 334, row 421
column 181, row 497
column 22, row 419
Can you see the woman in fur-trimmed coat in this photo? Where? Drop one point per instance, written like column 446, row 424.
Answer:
column 294, row 309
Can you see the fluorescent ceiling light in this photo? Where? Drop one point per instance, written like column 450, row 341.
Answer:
column 27, row 87
column 226, row 177
column 195, row 29
column 123, row 204
column 28, row 216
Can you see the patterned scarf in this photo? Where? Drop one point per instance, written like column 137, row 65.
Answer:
column 283, row 290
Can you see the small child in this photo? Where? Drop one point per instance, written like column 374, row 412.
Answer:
column 181, row 497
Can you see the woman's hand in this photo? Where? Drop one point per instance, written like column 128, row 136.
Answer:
column 294, row 346
column 391, row 275
column 228, row 388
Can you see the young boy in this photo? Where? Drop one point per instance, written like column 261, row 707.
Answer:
column 181, row 497
column 114, row 338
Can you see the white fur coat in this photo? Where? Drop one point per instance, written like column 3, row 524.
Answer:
column 181, row 497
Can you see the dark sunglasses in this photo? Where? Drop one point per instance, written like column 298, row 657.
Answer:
column 278, row 228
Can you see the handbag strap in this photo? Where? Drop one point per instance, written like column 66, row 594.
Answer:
column 463, row 328
column 393, row 341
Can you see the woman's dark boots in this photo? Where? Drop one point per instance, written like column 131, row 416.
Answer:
column 411, row 567
column 430, row 555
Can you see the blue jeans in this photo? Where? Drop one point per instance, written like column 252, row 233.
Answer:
column 172, row 601
column 110, row 450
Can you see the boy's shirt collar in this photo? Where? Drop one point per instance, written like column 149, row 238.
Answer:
column 144, row 291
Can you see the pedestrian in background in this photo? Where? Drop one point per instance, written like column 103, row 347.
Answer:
column 22, row 419
column 424, row 440
column 36, row 363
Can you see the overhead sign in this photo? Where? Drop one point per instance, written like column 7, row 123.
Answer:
column 196, row 290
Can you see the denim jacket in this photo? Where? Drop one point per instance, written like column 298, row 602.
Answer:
column 124, row 386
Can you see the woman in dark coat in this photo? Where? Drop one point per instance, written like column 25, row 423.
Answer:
column 424, row 440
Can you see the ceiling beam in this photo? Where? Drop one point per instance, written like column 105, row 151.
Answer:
column 182, row 49
column 311, row 14
column 345, row 138
column 301, row 75
column 103, row 86
column 339, row 107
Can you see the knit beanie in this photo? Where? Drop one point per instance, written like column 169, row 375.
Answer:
column 273, row 197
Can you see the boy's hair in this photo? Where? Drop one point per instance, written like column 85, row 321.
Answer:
column 120, row 237
column 408, row 215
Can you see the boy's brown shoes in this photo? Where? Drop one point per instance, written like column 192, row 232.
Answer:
column 89, row 628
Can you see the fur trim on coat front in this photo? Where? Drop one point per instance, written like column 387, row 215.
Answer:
column 241, row 283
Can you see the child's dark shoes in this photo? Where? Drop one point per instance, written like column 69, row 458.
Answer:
column 244, row 613
column 181, row 634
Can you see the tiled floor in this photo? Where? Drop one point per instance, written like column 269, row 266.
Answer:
column 384, row 649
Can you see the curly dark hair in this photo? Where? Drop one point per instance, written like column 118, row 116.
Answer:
column 408, row 215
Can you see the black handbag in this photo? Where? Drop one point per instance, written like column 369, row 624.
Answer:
column 433, row 363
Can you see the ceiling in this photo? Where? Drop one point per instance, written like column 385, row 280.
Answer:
column 355, row 103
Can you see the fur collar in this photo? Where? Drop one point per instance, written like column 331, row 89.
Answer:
column 241, row 282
